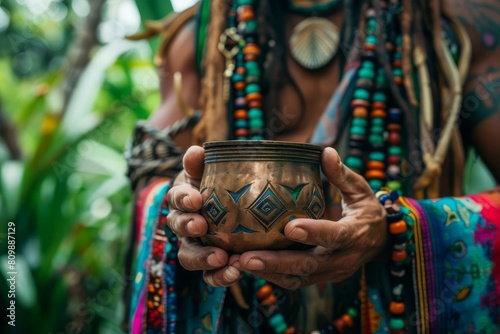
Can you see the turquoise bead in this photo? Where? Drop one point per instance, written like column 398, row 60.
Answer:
column 375, row 184
column 256, row 124
column 397, row 72
column 241, row 138
column 379, row 97
column 368, row 64
column 354, row 162
column 357, row 130
column 244, row 2
column 257, row 138
column 380, row 81
column 377, row 156
column 255, row 113
column 397, row 55
column 251, row 65
column 396, row 324
column 395, row 150
column 376, row 139
column 252, row 88
column 241, row 123
column 361, row 94
column 370, row 39
column 260, row 282
column 377, row 129
column 399, row 40
column 251, row 25
column 394, row 185
column 352, row 312
column 276, row 320
column 366, row 73
column 359, row 122
column 253, row 73
column 238, row 77
column 378, row 121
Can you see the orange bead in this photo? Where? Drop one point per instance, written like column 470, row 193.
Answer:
column 255, row 104
column 398, row 80
column 397, row 308
column 241, row 70
column 254, row 97
column 251, row 49
column 378, row 113
column 239, row 85
column 399, row 256
column 346, row 318
column 250, row 57
column 265, row 291
column 340, row 325
column 397, row 63
column 269, row 300
column 376, row 165
column 247, row 14
column 370, row 47
column 375, row 174
column 393, row 127
column 378, row 105
column 397, row 227
column 359, row 103
column 360, row 112
column 241, row 114
column 241, row 133
column 290, row 330
column 389, row 46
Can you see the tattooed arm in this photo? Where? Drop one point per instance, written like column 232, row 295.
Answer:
column 480, row 115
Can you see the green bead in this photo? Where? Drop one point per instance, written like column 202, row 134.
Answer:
column 379, row 97
column 399, row 40
column 241, row 123
column 378, row 121
column 281, row 328
column 395, row 150
column 361, row 94
column 256, row 124
column 377, row 156
column 276, row 320
column 394, row 185
column 238, row 77
column 352, row 312
column 368, row 64
column 354, row 162
column 253, row 73
column 357, row 131
column 397, row 72
column 377, row 129
column 260, row 282
column 376, row 139
column 396, row 324
column 255, row 113
column 251, row 25
column 242, row 43
column 251, row 65
column 257, row 138
column 366, row 73
column 371, row 39
column 241, row 138
column 380, row 80
column 252, row 88
column 375, row 184
column 359, row 122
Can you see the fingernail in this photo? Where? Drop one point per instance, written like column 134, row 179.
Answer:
column 298, row 234
column 186, row 201
column 192, row 228
column 213, row 260
column 255, row 264
column 231, row 274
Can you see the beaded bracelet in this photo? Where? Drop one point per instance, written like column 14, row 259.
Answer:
column 400, row 235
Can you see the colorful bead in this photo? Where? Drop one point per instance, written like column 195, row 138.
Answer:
column 241, row 123
column 397, row 308
column 360, row 112
column 399, row 256
column 397, row 227
column 397, row 324
column 394, row 185
column 240, row 114
column 255, row 113
column 241, row 132
column 366, row 73
column 374, row 174
column 265, row 291
column 375, row 184
column 377, row 156
column 276, row 320
column 361, row 94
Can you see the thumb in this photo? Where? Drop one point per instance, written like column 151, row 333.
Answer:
column 351, row 185
column 194, row 162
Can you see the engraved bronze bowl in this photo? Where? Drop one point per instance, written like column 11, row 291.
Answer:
column 252, row 189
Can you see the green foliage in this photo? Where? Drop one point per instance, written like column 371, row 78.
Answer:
column 68, row 196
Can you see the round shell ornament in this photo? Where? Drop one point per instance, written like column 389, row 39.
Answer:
column 314, row 42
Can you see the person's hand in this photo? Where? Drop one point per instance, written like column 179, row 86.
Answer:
column 185, row 201
column 341, row 247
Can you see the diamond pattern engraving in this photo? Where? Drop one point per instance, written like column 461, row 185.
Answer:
column 213, row 209
column 267, row 208
column 315, row 207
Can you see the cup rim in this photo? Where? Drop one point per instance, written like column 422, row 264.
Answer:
column 261, row 143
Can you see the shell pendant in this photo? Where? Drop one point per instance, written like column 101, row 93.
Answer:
column 314, row 42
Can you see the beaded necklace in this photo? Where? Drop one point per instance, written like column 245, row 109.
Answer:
column 375, row 128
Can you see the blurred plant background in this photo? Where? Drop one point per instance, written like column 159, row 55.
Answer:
column 71, row 89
